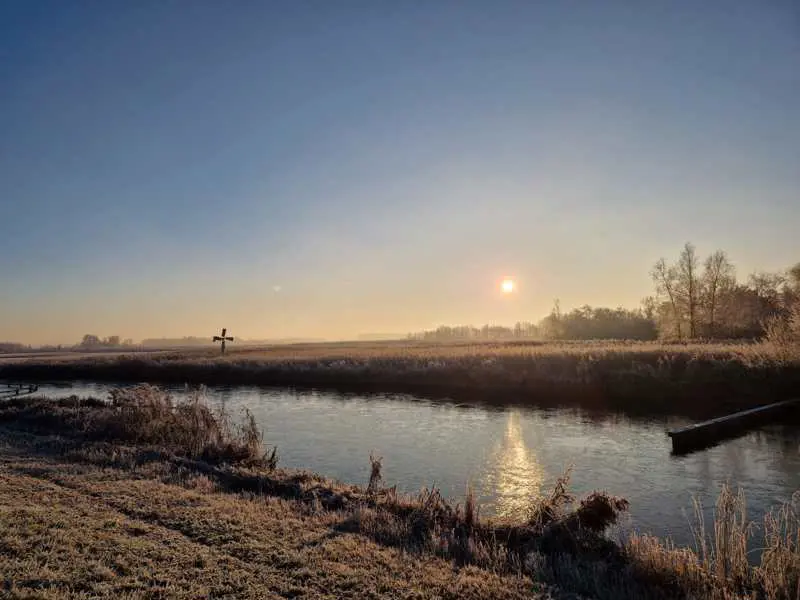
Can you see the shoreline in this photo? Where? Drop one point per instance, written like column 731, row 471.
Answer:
column 698, row 382
column 102, row 479
column 94, row 526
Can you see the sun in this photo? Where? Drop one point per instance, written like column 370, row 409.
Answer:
column 508, row 285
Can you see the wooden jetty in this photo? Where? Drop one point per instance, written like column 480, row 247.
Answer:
column 708, row 433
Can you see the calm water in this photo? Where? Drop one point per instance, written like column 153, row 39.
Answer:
column 508, row 455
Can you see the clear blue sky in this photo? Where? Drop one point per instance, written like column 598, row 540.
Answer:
column 329, row 168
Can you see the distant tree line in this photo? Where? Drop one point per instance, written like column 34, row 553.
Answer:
column 13, row 347
column 694, row 298
column 91, row 340
column 585, row 323
column 9, row 347
column 588, row 323
column 487, row 332
column 173, row 342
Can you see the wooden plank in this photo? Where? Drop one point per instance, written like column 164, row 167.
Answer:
column 709, row 432
column 738, row 415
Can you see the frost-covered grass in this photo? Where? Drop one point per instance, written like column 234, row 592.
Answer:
column 145, row 414
column 83, row 514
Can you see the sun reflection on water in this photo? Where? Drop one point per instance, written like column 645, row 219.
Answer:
column 514, row 476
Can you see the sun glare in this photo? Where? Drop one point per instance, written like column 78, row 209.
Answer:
column 507, row 285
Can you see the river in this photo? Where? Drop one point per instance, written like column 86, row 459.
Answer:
column 510, row 455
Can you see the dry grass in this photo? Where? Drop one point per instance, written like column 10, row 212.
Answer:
column 77, row 531
column 782, row 333
column 146, row 415
column 244, row 529
column 719, row 568
column 375, row 476
column 697, row 380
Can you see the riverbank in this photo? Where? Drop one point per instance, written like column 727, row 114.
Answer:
column 143, row 496
column 638, row 378
column 71, row 529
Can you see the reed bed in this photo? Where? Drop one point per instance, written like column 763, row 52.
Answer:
column 639, row 378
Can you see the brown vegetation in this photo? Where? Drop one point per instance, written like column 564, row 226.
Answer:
column 72, row 530
column 146, row 415
column 240, row 519
column 695, row 380
column 719, row 566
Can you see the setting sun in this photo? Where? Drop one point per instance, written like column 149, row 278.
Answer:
column 507, row 286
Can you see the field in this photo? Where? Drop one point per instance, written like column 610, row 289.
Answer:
column 143, row 498
column 640, row 378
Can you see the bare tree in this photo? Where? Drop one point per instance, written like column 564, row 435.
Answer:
column 793, row 275
column 90, row 341
column 766, row 285
column 718, row 277
column 689, row 284
column 649, row 307
column 791, row 290
column 666, row 279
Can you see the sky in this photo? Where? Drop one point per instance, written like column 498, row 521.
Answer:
column 324, row 169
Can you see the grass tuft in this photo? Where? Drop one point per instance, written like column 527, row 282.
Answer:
column 543, row 511
column 719, row 568
column 375, row 476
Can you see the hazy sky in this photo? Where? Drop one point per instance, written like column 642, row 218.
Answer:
column 329, row 168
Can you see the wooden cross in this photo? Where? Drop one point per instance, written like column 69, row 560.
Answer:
column 223, row 339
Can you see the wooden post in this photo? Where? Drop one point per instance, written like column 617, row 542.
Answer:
column 223, row 339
